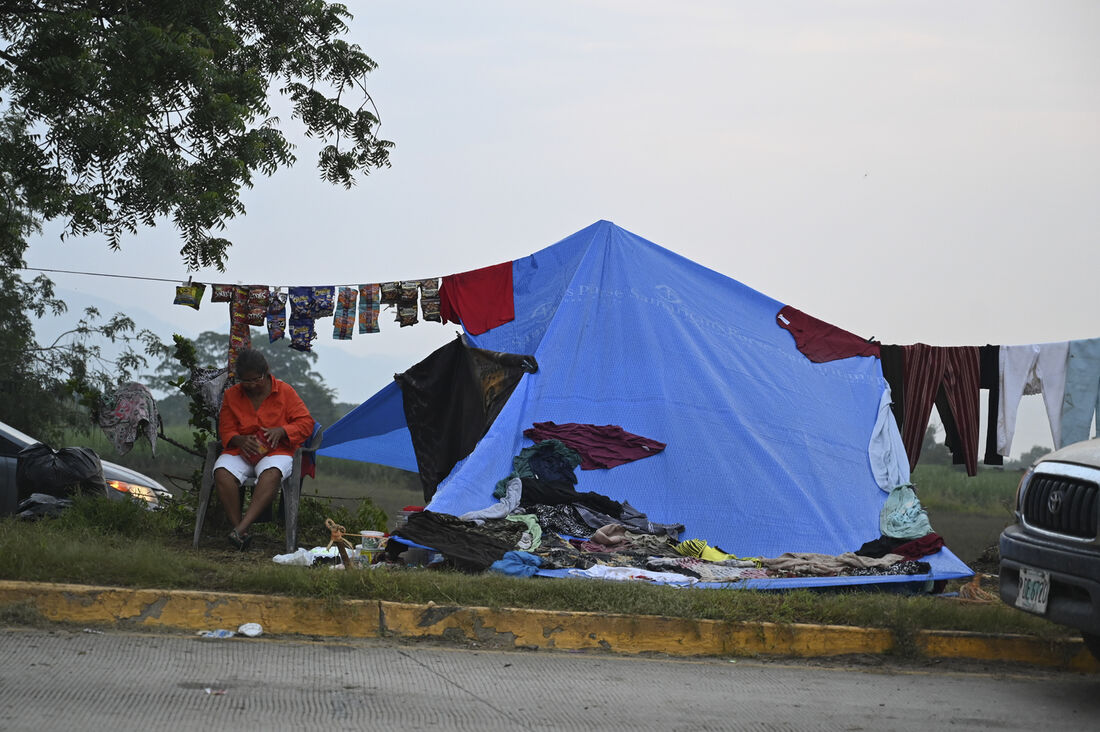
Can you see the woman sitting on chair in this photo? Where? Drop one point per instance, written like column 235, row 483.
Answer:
column 262, row 422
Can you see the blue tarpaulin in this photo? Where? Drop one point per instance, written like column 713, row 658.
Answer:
column 767, row 452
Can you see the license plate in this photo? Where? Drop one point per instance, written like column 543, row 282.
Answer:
column 1034, row 588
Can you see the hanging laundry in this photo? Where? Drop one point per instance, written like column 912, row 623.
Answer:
column 480, row 299
column 821, row 342
column 190, row 294
column 368, row 308
column 240, row 337
column 409, row 290
column 390, row 292
column 276, row 316
column 210, row 384
column 1082, row 398
column 889, row 463
column 600, row 446
column 300, row 324
column 302, row 333
column 406, row 305
column 948, row 377
column 450, row 399
column 222, row 293
column 892, row 360
column 300, row 306
column 1031, row 369
column 257, row 304
column 343, row 322
column 131, row 412
column 322, row 301
column 429, row 299
column 306, row 305
column 989, row 376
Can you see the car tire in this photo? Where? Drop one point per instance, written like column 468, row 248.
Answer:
column 1092, row 642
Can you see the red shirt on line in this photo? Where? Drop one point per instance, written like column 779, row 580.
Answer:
column 281, row 408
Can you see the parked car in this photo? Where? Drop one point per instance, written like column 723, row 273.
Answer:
column 1050, row 558
column 122, row 482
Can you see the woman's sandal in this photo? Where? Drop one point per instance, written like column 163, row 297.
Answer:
column 239, row 541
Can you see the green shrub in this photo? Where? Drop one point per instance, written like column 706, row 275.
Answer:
column 129, row 518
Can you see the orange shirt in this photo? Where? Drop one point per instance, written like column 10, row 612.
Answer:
column 282, row 408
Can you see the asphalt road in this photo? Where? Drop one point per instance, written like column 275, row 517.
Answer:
column 74, row 680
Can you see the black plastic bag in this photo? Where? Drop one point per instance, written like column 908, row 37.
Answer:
column 60, row 473
column 39, row 505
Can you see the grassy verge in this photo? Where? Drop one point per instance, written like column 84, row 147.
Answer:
column 116, row 544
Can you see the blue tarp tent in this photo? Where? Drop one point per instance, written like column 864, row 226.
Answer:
column 767, row 452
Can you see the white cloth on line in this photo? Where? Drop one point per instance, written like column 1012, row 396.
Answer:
column 1031, row 369
column 889, row 462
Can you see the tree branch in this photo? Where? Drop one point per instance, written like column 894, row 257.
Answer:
column 170, row 441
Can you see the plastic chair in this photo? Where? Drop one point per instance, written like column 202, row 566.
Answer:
column 291, row 487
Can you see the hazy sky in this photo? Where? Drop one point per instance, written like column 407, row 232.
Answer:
column 911, row 171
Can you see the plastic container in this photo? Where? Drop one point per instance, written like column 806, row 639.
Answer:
column 373, row 539
column 403, row 516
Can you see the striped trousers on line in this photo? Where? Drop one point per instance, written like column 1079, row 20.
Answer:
column 947, row 376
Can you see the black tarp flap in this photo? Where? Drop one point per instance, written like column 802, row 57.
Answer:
column 451, row 398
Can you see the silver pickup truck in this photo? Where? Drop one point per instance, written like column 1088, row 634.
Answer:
column 1050, row 558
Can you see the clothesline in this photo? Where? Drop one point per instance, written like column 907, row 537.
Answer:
column 185, row 281
column 482, row 299
column 101, row 274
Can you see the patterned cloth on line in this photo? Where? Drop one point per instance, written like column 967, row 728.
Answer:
column 131, row 413
column 368, row 308
column 343, row 322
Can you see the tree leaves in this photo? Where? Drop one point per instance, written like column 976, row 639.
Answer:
column 114, row 116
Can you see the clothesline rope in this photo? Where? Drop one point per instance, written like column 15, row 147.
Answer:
column 187, row 280
column 100, row 274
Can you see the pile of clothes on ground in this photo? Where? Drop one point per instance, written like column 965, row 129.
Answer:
column 542, row 522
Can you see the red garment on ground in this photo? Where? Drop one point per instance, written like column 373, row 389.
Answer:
column 922, row 547
column 819, row 341
column 600, row 446
column 480, row 299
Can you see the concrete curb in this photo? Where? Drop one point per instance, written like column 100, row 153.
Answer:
column 513, row 628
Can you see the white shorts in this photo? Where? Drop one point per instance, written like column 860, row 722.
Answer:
column 240, row 468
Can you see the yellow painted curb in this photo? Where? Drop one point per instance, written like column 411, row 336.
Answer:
column 1064, row 653
column 189, row 610
column 514, row 628
column 629, row 633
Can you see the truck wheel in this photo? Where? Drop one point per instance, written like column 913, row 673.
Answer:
column 1092, row 642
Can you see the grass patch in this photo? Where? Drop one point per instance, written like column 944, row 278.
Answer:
column 110, row 543
column 946, row 488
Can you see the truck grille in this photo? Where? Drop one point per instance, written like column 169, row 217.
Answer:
column 1061, row 504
